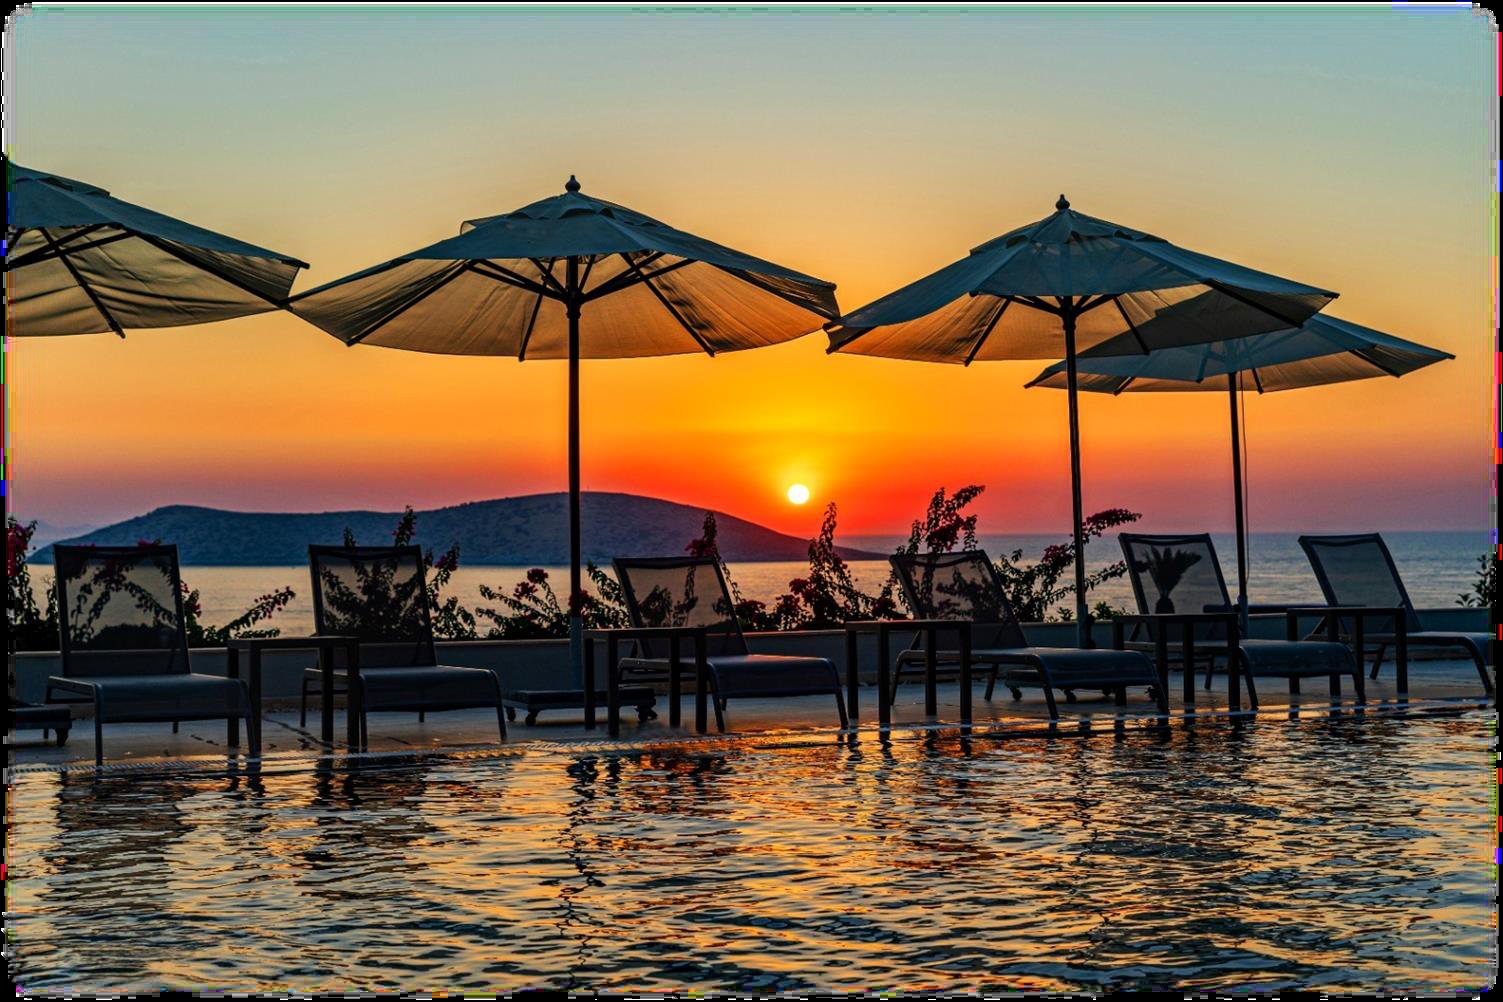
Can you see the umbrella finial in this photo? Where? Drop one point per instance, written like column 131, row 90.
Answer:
column 1062, row 204
column 572, row 184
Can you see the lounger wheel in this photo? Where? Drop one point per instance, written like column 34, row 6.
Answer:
column 1070, row 696
column 1016, row 692
column 511, row 713
column 531, row 718
column 646, row 713
column 62, row 736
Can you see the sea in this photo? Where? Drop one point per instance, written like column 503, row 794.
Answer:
column 1436, row 568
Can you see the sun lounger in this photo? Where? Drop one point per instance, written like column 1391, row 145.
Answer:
column 378, row 595
column 125, row 648
column 1179, row 574
column 691, row 591
column 965, row 585
column 1359, row 570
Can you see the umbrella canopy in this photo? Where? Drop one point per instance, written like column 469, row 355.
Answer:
column 501, row 288
column 1325, row 349
column 519, row 284
column 79, row 261
column 1066, row 283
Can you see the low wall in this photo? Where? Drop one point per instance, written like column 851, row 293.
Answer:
column 544, row 664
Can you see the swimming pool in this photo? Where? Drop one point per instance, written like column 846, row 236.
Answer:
column 1333, row 853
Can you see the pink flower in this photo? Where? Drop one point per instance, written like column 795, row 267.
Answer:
column 537, row 576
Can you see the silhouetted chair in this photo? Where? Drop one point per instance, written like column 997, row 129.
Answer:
column 378, row 595
column 965, row 585
column 1359, row 570
column 1180, row 574
column 691, row 591
column 125, row 647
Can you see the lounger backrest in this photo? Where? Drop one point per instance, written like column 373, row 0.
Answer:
column 120, row 610
column 1359, row 570
column 1176, row 573
column 377, row 594
column 680, row 591
column 962, row 585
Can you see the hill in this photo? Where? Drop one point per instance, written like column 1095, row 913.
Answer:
column 530, row 530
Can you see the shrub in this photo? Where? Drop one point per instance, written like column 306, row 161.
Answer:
column 1484, row 593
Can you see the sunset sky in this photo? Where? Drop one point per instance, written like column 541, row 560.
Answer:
column 1351, row 150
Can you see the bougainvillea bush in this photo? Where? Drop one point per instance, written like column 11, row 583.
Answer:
column 31, row 628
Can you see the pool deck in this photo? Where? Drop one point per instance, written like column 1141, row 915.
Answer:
column 1433, row 685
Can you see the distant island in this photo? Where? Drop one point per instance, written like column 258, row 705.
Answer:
column 530, row 530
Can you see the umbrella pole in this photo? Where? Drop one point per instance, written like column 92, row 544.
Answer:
column 1082, row 617
column 576, row 623
column 1231, row 386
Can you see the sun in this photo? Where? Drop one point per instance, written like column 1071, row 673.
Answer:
column 798, row 493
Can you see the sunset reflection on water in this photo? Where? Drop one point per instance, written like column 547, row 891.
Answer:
column 1339, row 854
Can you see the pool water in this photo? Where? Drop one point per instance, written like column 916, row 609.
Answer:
column 1331, row 853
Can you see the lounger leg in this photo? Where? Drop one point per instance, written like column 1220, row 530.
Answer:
column 845, row 721
column 1479, row 658
column 421, row 714
column 174, row 727
column 1252, row 692
column 302, row 705
column 1378, row 661
column 1336, row 685
column 991, row 683
column 364, row 740
column 98, row 729
column 1049, row 699
column 719, row 705
column 1121, row 694
column 1294, row 685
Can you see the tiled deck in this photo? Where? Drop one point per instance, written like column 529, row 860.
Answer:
column 1432, row 685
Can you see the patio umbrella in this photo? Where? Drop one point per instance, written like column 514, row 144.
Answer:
column 521, row 284
column 80, row 261
column 1324, row 350
column 1071, row 281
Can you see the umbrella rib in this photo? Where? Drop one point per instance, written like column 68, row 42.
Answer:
column 669, row 306
column 1227, row 290
column 46, row 253
column 167, row 248
column 1130, row 325
column 83, row 284
column 547, row 276
column 589, row 266
column 987, row 333
column 532, row 320
column 1039, row 304
column 410, row 303
column 1100, row 300
column 508, row 277
column 1256, row 381
column 627, row 279
column 1374, row 362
